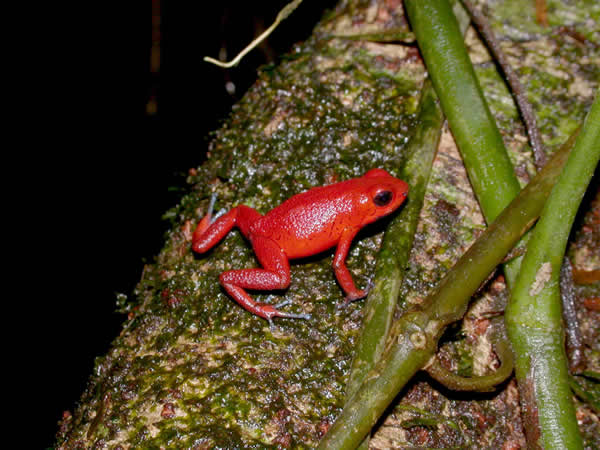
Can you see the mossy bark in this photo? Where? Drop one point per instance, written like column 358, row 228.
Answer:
column 191, row 368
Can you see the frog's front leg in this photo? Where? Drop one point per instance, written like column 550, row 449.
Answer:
column 208, row 234
column 342, row 273
column 274, row 275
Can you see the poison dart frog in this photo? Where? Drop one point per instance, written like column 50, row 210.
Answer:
column 304, row 225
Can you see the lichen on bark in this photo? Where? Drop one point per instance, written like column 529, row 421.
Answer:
column 191, row 368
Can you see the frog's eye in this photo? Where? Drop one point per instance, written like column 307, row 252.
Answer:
column 383, row 198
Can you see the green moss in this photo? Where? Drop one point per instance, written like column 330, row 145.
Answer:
column 517, row 19
column 300, row 126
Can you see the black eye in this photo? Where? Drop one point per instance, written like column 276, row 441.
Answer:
column 382, row 198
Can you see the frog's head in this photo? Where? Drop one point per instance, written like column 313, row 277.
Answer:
column 383, row 194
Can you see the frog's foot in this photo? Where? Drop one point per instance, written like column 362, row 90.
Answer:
column 287, row 315
column 207, row 220
column 269, row 312
column 356, row 295
column 282, row 304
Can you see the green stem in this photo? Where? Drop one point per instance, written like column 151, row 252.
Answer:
column 474, row 129
column 479, row 141
column 533, row 316
column 397, row 243
column 399, row 236
column 482, row 383
column 516, row 87
column 585, row 386
column 395, row 250
column 417, row 333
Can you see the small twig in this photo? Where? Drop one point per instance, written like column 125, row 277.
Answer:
column 577, row 36
column 516, row 87
column 283, row 14
column 541, row 12
column 573, row 335
column 392, row 35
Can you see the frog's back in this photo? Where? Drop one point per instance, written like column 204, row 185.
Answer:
column 310, row 222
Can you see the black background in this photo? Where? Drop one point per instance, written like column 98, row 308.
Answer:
column 104, row 170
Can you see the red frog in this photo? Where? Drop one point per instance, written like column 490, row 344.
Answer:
column 304, row 225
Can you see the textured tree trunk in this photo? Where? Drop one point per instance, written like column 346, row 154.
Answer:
column 192, row 369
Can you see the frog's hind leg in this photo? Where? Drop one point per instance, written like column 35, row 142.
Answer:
column 274, row 275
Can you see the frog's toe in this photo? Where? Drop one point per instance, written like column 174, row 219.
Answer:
column 370, row 286
column 273, row 311
column 287, row 315
column 290, row 315
column 283, row 303
column 355, row 296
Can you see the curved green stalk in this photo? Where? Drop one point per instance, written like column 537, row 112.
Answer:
column 482, row 383
column 395, row 251
column 533, row 316
column 417, row 333
column 397, row 242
